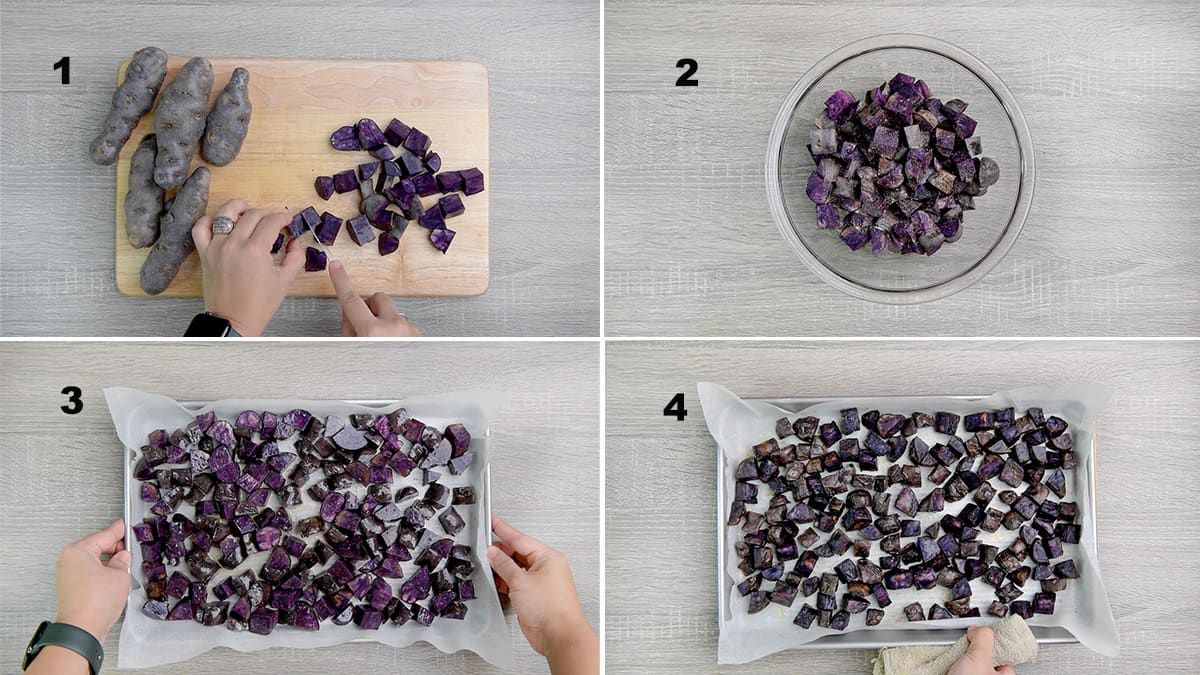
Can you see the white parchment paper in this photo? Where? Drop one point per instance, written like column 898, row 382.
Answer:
column 738, row 424
column 146, row 642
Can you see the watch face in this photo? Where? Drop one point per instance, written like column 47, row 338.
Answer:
column 207, row 325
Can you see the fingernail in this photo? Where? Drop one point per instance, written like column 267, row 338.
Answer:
column 335, row 265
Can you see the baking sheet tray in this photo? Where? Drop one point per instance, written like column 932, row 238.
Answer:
column 195, row 406
column 874, row 638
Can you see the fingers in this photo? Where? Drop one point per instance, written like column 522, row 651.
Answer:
column 353, row 306
column 347, row 327
column 293, row 260
column 523, row 544
column 383, row 306
column 504, row 566
column 202, row 234
column 120, row 561
column 979, row 647
column 106, row 540
column 268, row 230
column 245, row 226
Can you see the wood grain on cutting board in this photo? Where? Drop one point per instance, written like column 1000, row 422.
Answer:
column 297, row 104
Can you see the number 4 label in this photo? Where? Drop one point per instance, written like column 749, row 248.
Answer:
column 675, row 408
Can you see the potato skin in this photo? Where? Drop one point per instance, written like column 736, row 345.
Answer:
column 229, row 120
column 179, row 121
column 175, row 240
column 143, row 77
column 144, row 201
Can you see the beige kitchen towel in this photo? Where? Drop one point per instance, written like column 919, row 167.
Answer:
column 1014, row 644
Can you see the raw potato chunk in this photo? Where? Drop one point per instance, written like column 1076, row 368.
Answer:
column 179, row 121
column 175, row 239
column 228, row 121
column 144, row 201
column 134, row 98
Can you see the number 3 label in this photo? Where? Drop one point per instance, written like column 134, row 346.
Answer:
column 74, row 402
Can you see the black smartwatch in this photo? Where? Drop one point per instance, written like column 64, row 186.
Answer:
column 67, row 636
column 210, row 325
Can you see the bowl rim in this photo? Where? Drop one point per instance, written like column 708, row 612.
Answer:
column 1025, row 164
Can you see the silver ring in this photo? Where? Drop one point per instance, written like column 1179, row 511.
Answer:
column 222, row 225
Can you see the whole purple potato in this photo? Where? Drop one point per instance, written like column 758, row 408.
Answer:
column 175, row 239
column 179, row 121
column 143, row 76
column 144, row 201
column 228, row 121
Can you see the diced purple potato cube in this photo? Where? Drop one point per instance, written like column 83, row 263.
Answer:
column 432, row 219
column 296, row 227
column 827, row 217
column 451, row 205
column 412, row 165
column 1043, row 603
column 840, row 104
column 433, row 162
column 396, row 132
column 472, row 181
column 426, row 184
column 823, row 141
column 382, row 152
column 263, row 621
column 369, row 134
column 324, row 186
column 314, row 260
column 417, row 587
column 360, row 230
column 388, row 242
column 441, row 239
column 914, row 612
column 344, row 182
column 345, row 138
column 885, row 141
column 416, row 142
column 449, row 181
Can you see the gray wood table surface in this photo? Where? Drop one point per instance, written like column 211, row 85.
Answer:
column 61, row 475
column 661, row 603
column 1107, row 89
column 57, row 275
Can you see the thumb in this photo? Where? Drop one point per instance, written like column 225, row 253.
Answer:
column 121, row 560
column 505, row 566
column 980, row 641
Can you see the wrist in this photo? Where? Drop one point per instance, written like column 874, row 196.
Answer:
column 242, row 328
column 98, row 629
column 568, row 635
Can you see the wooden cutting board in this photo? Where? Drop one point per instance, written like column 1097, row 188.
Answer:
column 297, row 104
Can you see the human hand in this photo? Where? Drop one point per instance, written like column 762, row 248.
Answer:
column 92, row 591
column 376, row 316
column 242, row 283
column 538, row 583
column 978, row 658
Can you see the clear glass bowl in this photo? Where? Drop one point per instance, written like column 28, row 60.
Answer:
column 989, row 231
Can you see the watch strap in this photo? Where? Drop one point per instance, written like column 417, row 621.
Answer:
column 66, row 636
